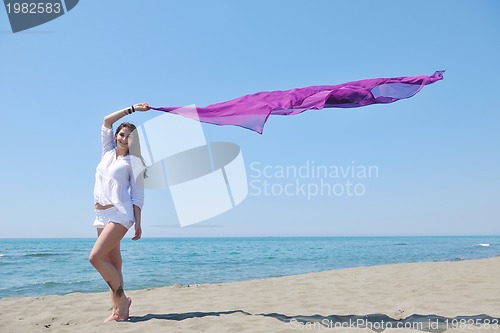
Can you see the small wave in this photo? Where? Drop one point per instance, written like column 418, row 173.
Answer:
column 2, row 255
column 41, row 254
column 484, row 244
column 49, row 283
column 399, row 244
column 457, row 259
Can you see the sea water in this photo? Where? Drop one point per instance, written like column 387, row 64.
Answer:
column 37, row 267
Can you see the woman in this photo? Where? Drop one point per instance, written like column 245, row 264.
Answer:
column 118, row 198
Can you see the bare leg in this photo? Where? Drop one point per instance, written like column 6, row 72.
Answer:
column 108, row 239
column 115, row 258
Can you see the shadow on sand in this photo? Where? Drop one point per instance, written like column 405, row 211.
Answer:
column 182, row 316
column 375, row 322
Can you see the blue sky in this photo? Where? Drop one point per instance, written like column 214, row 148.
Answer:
column 436, row 154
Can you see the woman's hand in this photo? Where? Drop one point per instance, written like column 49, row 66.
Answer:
column 141, row 107
column 138, row 232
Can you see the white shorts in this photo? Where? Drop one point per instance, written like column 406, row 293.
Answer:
column 103, row 216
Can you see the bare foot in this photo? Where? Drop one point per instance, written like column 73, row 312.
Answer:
column 124, row 309
column 115, row 316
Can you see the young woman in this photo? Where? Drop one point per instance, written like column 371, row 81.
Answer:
column 118, row 198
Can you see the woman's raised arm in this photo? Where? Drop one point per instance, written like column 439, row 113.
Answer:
column 111, row 118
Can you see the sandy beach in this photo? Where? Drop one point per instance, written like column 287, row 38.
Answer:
column 441, row 296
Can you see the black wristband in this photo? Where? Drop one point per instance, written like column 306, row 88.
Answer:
column 133, row 110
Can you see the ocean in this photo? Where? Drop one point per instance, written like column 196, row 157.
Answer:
column 38, row 267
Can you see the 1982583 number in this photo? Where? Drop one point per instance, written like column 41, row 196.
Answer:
column 33, row 8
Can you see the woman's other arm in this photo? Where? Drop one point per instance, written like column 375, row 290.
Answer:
column 137, row 225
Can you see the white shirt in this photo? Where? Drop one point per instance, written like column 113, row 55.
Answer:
column 118, row 181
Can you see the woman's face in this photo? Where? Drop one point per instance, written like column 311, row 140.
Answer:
column 123, row 138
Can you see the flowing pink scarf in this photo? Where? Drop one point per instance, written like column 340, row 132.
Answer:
column 252, row 111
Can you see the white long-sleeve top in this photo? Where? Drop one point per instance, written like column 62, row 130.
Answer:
column 118, row 181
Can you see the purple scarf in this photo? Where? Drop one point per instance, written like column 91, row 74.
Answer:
column 252, row 111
